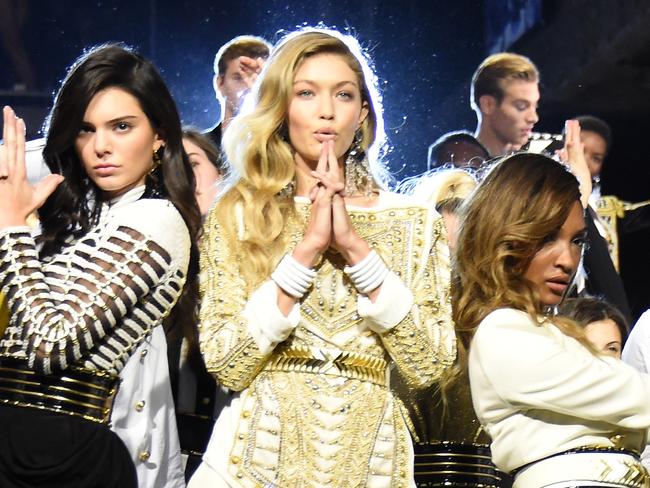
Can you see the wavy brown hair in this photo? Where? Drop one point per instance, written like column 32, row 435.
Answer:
column 524, row 199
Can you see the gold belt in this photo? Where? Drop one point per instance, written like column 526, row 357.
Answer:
column 74, row 391
column 336, row 362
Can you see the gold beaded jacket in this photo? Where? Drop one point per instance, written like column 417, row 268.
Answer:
column 316, row 409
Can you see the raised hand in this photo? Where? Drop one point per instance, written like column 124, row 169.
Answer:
column 344, row 237
column 249, row 69
column 318, row 234
column 573, row 154
column 18, row 199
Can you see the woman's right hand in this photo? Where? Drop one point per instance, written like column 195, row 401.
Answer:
column 18, row 198
column 318, row 234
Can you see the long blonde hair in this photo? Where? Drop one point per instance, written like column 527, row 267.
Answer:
column 523, row 200
column 254, row 209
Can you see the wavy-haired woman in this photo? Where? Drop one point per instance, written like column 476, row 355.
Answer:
column 316, row 281
column 559, row 413
column 115, row 258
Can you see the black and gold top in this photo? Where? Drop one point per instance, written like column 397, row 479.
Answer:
column 611, row 211
column 94, row 302
column 315, row 409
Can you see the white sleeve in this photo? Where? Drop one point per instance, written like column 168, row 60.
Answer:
column 636, row 352
column 533, row 367
column 266, row 323
column 393, row 303
column 34, row 163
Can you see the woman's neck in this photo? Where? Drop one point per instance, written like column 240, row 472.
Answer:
column 304, row 179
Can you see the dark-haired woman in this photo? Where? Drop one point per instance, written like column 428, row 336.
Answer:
column 604, row 324
column 208, row 165
column 559, row 413
column 116, row 256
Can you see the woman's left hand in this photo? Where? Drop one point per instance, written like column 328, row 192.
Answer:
column 344, row 237
column 18, row 198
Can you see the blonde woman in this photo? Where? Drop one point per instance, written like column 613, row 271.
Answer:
column 316, row 283
column 559, row 413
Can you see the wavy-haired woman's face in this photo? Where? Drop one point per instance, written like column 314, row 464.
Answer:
column 553, row 266
column 325, row 105
column 116, row 142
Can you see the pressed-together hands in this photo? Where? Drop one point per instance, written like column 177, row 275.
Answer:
column 329, row 224
column 18, row 198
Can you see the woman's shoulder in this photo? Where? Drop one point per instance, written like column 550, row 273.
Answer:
column 504, row 319
column 156, row 219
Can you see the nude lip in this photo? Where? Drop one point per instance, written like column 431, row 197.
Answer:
column 323, row 134
column 105, row 169
column 322, row 137
column 558, row 285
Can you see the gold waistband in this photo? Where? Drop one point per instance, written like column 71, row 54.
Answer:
column 74, row 391
column 606, row 467
column 330, row 361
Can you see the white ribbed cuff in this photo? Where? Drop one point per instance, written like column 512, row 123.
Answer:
column 368, row 274
column 294, row 278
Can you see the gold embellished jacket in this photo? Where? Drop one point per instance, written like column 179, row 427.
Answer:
column 316, row 409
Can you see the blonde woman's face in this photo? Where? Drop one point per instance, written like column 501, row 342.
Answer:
column 553, row 266
column 325, row 105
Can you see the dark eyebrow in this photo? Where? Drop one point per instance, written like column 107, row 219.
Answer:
column 116, row 119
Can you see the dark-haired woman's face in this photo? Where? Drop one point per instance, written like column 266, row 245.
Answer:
column 553, row 266
column 205, row 173
column 116, row 142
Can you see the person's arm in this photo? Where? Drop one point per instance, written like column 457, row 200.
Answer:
column 412, row 315
column 237, row 332
column 636, row 352
column 532, row 369
column 61, row 315
column 573, row 154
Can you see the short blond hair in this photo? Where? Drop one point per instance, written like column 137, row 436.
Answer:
column 497, row 69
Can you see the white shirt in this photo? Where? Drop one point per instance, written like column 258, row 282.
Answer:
column 539, row 392
column 636, row 353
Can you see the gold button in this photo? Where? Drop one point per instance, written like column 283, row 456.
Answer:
column 144, row 353
column 235, row 459
column 140, row 405
column 245, row 414
column 144, row 456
